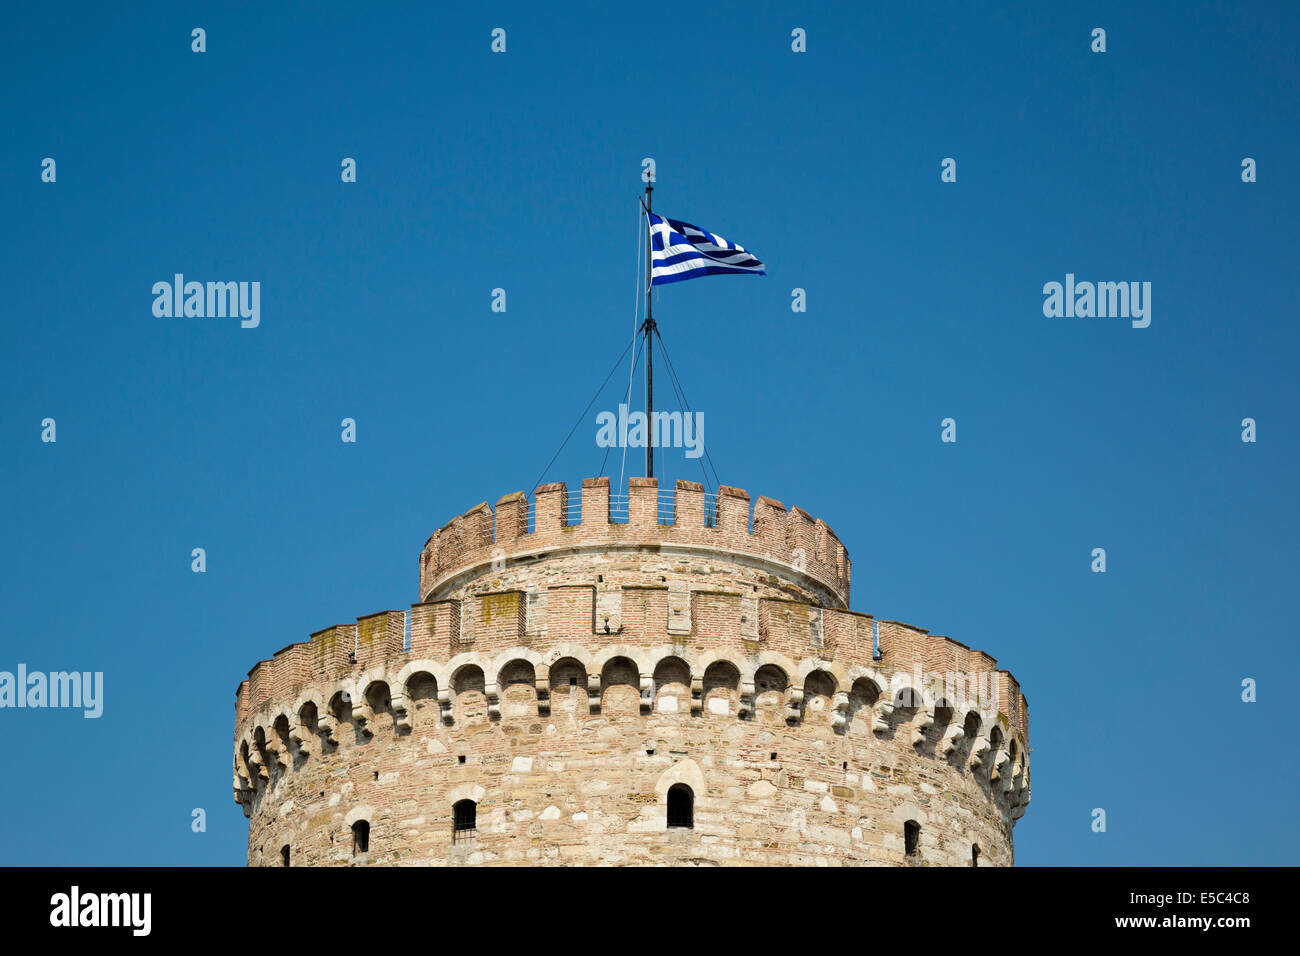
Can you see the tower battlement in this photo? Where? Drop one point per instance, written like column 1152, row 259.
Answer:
column 569, row 666
column 792, row 543
column 494, row 623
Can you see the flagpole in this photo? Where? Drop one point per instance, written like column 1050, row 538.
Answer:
column 649, row 327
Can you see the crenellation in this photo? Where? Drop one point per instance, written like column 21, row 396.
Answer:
column 260, row 684
column 944, row 654
column 801, row 535
column 902, row 645
column 688, row 505
column 511, row 518
column 291, row 667
column 1012, row 703
column 423, row 628
column 495, row 620
column 331, row 648
column 379, row 636
column 552, row 508
column 477, row 527
column 643, row 503
column 595, row 501
column 733, row 510
column 781, row 623
column 799, row 546
column 770, row 524
column 850, row 632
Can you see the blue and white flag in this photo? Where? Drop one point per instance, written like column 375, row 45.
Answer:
column 680, row 251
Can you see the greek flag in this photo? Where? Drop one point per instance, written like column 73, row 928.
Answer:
column 680, row 251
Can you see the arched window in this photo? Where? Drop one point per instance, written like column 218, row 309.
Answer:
column 974, row 854
column 284, row 855
column 681, row 807
column 911, row 837
column 464, row 815
column 360, row 837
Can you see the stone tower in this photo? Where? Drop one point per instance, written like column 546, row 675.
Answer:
column 639, row 679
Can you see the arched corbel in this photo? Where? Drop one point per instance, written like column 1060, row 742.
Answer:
column 401, row 714
column 881, row 711
column 299, row 736
column 362, row 715
column 542, row 683
column 1018, row 779
column 921, row 728
column 998, row 773
column 952, row 739
column 745, row 705
column 327, row 724
column 794, row 705
column 274, row 752
column 840, row 712
column 253, row 760
column 243, row 786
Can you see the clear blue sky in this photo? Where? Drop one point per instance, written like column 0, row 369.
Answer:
column 521, row 171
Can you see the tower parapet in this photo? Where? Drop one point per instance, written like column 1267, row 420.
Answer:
column 787, row 549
